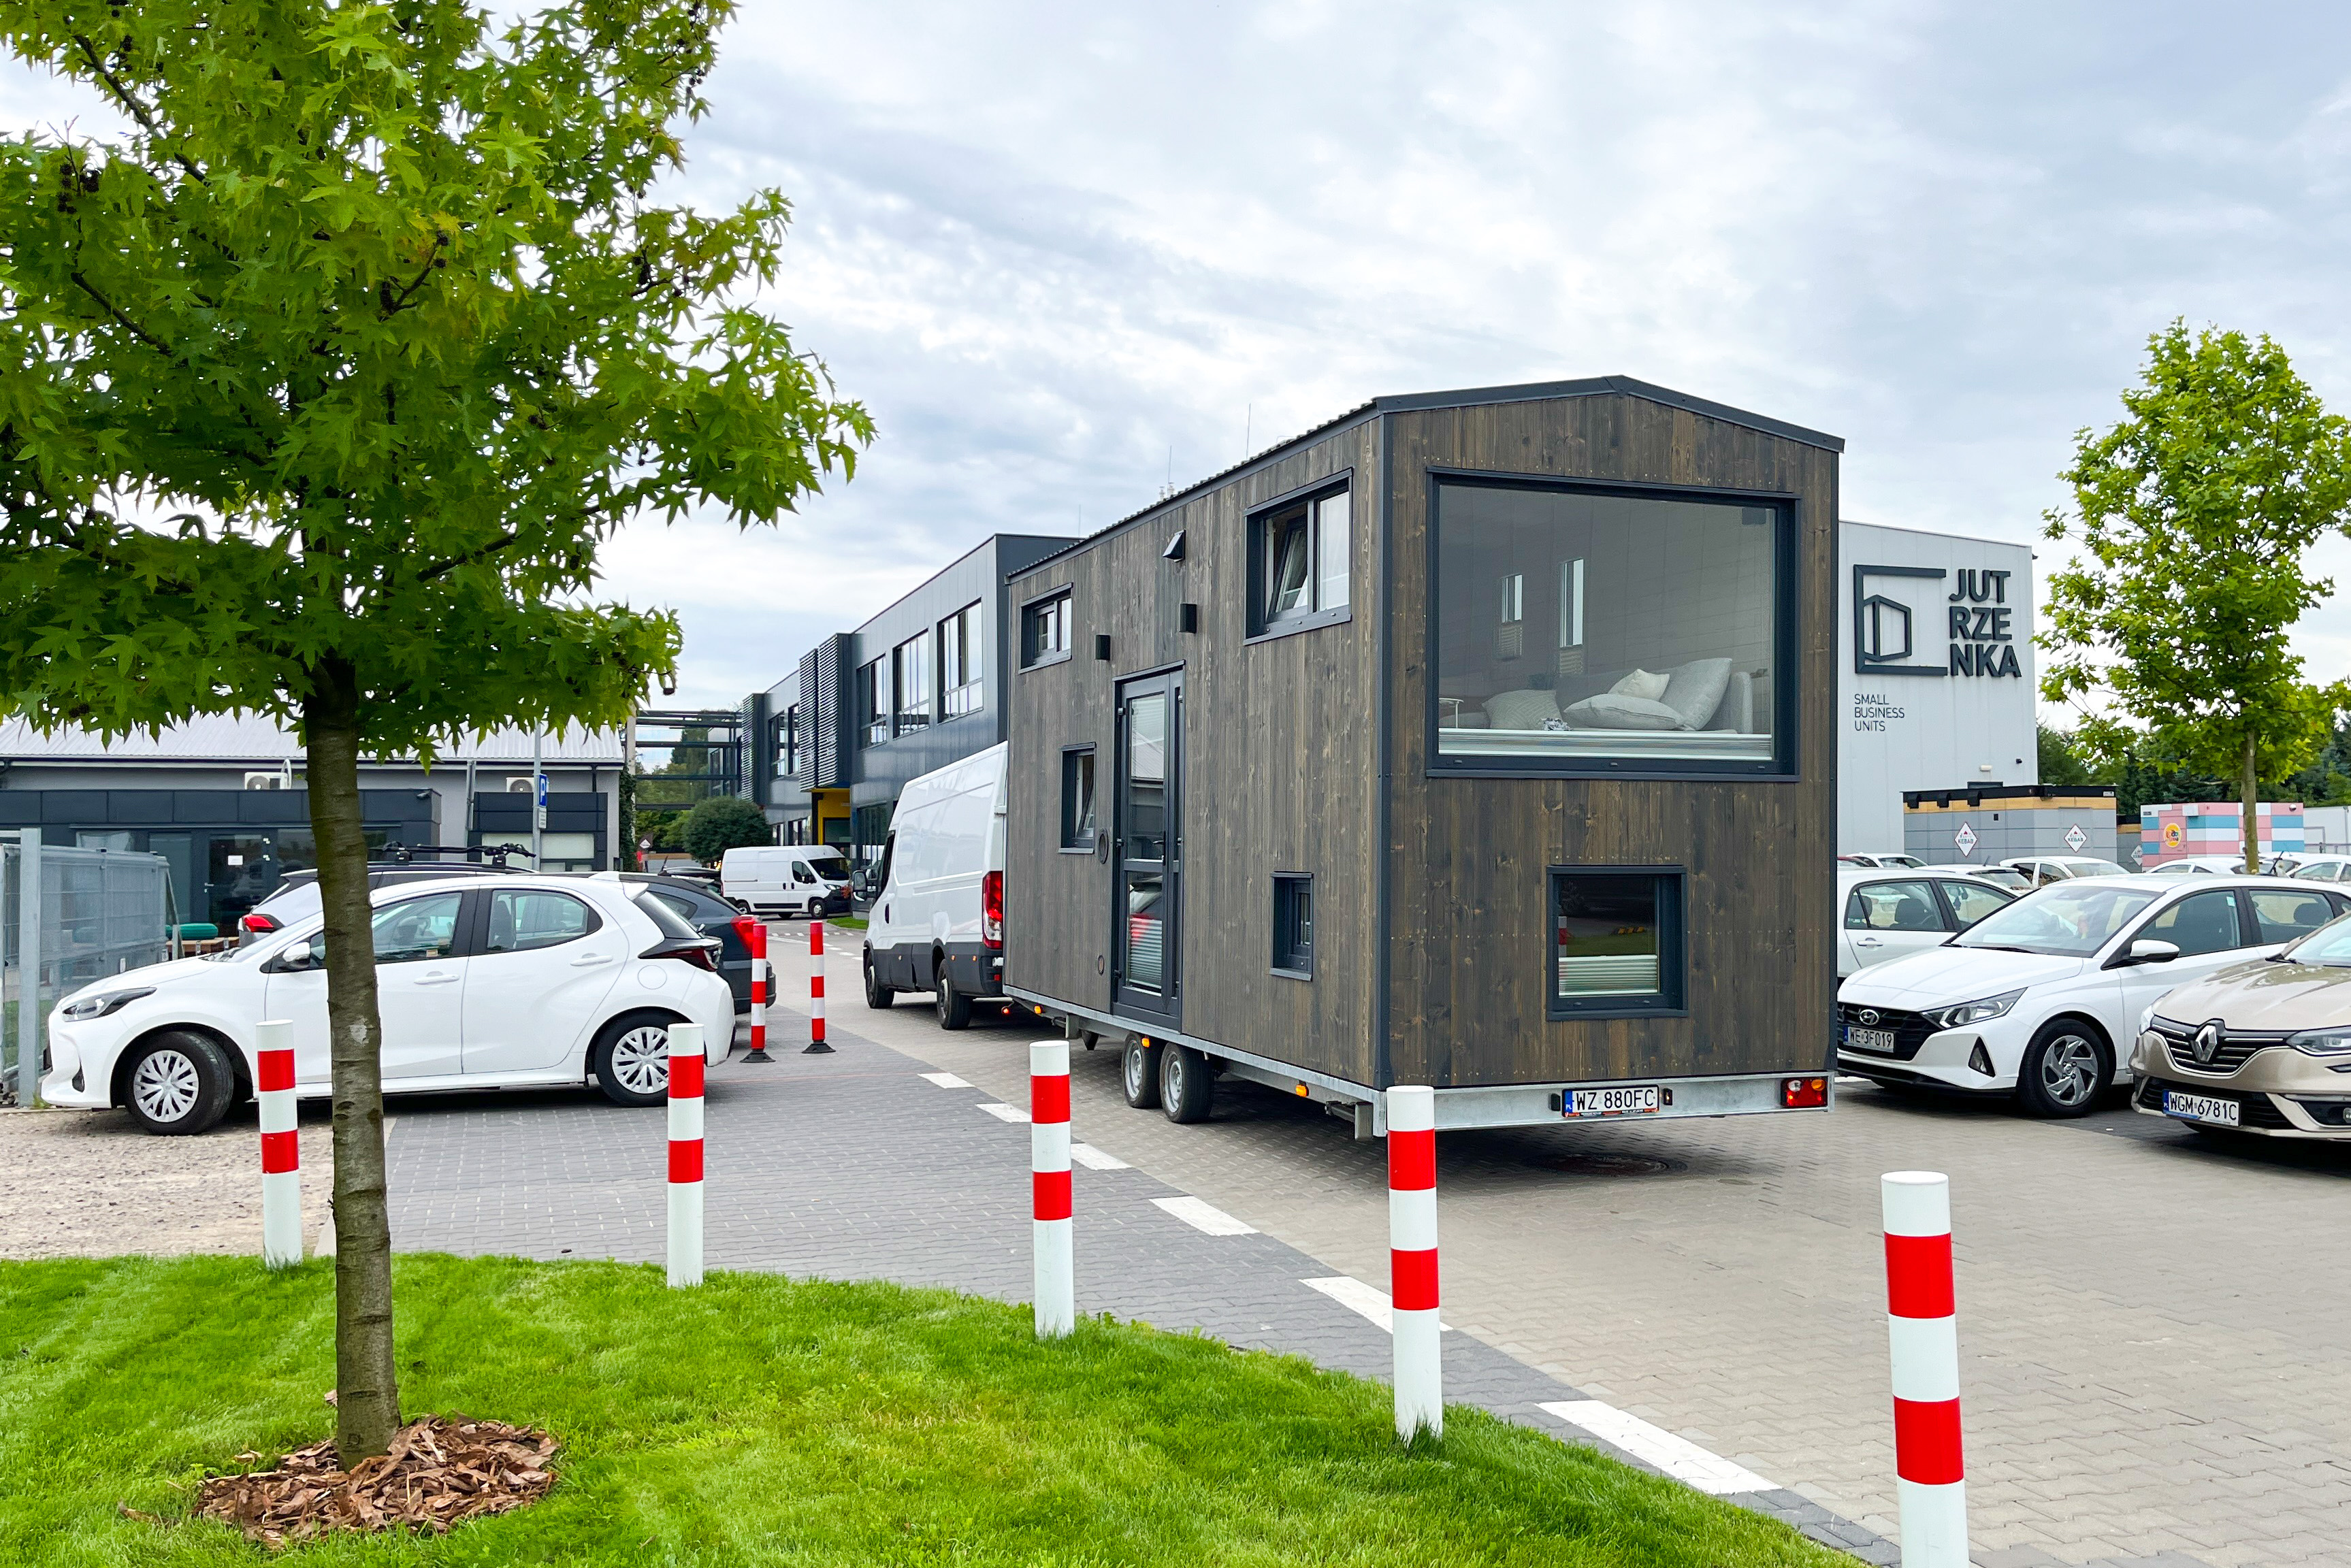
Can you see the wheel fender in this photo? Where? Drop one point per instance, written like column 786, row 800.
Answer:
column 588, row 1052
column 117, row 1089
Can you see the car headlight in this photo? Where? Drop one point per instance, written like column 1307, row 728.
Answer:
column 2322, row 1042
column 1964, row 1013
column 100, row 1004
column 2146, row 1017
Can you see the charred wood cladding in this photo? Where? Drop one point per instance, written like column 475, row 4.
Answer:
column 1979, row 624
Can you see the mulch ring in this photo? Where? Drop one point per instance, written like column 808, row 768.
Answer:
column 438, row 1471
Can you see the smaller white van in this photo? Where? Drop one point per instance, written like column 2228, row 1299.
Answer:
column 785, row 880
column 938, row 924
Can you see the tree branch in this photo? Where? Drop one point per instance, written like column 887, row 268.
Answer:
column 125, row 322
column 130, row 100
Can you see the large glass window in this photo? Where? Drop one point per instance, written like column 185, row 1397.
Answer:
column 1616, row 941
column 910, row 683
column 1301, row 553
column 1579, row 630
column 874, row 699
column 959, row 663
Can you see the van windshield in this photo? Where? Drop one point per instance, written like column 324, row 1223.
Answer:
column 2061, row 920
column 832, row 867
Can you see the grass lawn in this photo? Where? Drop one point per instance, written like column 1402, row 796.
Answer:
column 762, row 1421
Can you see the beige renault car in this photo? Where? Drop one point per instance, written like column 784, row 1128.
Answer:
column 2260, row 1047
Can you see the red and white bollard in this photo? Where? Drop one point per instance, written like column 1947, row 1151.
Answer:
column 758, row 992
column 685, row 1063
column 1412, row 1260
column 1922, row 1321
column 281, row 1144
column 1049, row 1181
column 816, row 1045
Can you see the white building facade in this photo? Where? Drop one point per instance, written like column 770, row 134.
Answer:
column 1935, row 673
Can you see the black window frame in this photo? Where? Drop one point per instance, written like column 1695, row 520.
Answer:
column 910, row 662
column 788, row 742
column 1672, row 998
column 969, row 693
column 1032, row 657
column 1290, row 959
column 1786, row 763
column 1261, row 623
column 873, row 695
column 1074, row 760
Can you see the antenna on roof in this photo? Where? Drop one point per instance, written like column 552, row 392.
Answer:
column 1248, row 410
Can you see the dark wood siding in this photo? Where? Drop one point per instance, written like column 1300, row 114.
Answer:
column 1280, row 771
column 1468, row 934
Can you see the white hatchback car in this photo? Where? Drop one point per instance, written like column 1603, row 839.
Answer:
column 1892, row 914
column 2042, row 999
column 482, row 982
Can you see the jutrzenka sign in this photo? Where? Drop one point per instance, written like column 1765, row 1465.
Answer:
column 1888, row 624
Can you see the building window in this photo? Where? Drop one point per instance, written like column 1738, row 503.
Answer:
column 959, row 663
column 1078, row 798
column 788, row 742
column 910, row 683
column 1616, row 941
column 873, row 697
column 1672, row 615
column 1045, row 632
column 1294, row 926
column 1298, row 554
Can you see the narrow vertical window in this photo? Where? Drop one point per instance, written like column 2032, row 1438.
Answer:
column 1293, row 925
column 1331, row 547
column 959, row 663
column 1078, row 798
column 873, row 695
column 910, row 673
column 1571, row 617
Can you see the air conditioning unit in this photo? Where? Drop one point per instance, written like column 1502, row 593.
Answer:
column 268, row 781
column 519, row 785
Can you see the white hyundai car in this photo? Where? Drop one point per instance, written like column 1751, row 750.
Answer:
column 2042, row 999
column 482, row 982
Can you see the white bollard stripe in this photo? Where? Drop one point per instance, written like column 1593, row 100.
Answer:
column 1419, row 1382
column 685, row 1233
column 1934, row 1523
column 1049, row 1147
column 1926, row 1358
column 1411, row 1220
column 1917, row 1203
column 686, row 1119
column 278, row 1113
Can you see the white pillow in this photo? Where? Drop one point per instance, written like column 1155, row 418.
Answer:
column 1695, row 690
column 1522, row 709
column 1610, row 711
column 1640, row 684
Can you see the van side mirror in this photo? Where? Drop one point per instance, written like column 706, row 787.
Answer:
column 2147, row 951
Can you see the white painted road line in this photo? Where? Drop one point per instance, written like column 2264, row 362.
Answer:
column 947, row 1080
column 1007, row 1112
column 1203, row 1217
column 1368, row 1299
column 1678, row 1456
column 1093, row 1159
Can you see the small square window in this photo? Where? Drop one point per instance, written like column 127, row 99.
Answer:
column 1299, row 564
column 1294, row 926
column 1045, row 632
column 1616, row 941
column 1078, row 798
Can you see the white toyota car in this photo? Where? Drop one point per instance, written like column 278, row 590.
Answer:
column 2042, row 999
column 482, row 982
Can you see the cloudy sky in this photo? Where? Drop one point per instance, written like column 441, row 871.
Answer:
column 1064, row 251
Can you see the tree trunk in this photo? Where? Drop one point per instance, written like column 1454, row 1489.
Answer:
column 2252, row 824
column 367, row 1410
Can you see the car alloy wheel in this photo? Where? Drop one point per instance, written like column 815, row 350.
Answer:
column 2064, row 1071
column 165, row 1084
column 639, row 1058
column 2069, row 1070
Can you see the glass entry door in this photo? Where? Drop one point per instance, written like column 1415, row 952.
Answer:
column 1148, row 847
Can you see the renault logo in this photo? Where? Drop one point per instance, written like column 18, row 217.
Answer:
column 2208, row 1042
column 1869, row 1016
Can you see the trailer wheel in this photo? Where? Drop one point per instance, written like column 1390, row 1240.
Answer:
column 1138, row 1074
column 1184, row 1083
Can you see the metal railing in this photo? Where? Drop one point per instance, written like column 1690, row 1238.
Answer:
column 69, row 916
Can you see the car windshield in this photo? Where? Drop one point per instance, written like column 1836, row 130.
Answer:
column 833, row 868
column 2062, row 920
column 2329, row 945
column 2094, row 868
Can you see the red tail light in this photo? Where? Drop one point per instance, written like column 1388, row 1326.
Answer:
column 1802, row 1094
column 744, row 927
column 260, row 925
column 991, row 909
column 702, row 952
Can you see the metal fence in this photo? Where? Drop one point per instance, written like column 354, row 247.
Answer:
column 83, row 915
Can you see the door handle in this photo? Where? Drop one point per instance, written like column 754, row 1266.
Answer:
column 1867, row 942
column 588, row 960
column 436, row 978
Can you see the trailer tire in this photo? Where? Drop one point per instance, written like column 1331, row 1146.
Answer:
column 1185, row 1085
column 955, row 1008
column 1138, row 1074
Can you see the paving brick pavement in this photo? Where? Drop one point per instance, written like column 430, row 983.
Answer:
column 853, row 1166
column 2150, row 1369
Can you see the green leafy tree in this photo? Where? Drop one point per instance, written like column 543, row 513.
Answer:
column 330, row 375
column 724, row 822
column 2062, row 763
column 2192, row 518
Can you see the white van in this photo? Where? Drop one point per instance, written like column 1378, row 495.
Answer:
column 785, row 880
column 938, row 925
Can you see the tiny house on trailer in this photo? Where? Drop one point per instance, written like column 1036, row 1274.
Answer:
column 1477, row 739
